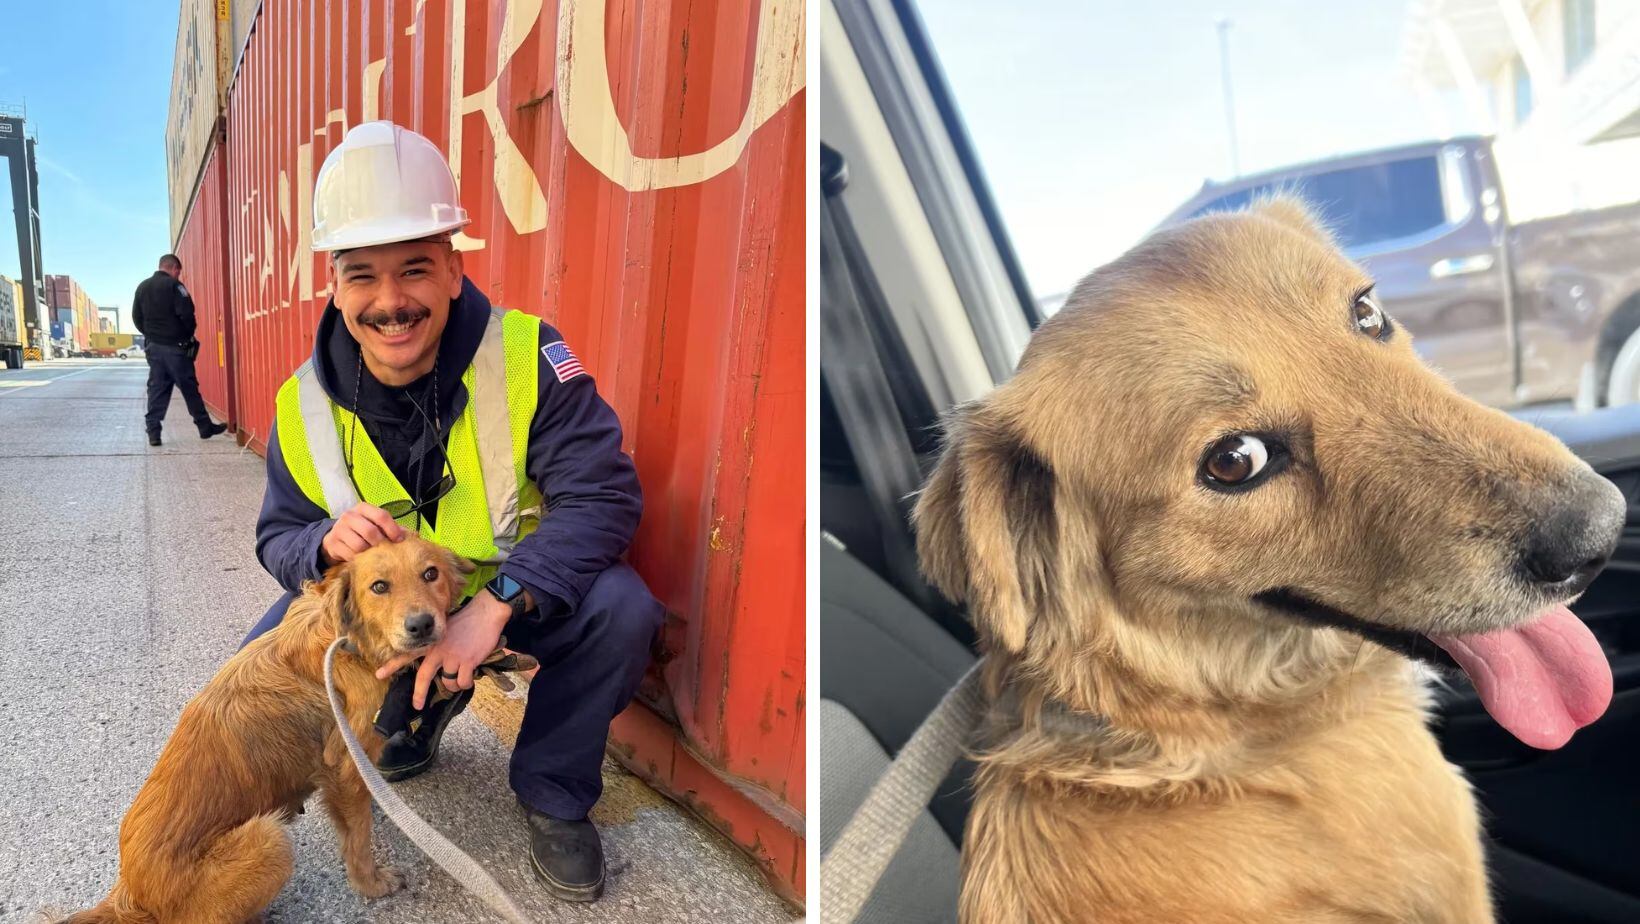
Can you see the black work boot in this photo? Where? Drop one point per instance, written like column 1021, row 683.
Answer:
column 410, row 752
column 567, row 856
column 153, row 437
column 211, row 430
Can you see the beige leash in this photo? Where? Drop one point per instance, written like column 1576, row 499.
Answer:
column 463, row 868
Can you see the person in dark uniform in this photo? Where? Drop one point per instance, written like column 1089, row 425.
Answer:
column 164, row 311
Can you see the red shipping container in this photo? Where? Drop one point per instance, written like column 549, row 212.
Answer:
column 204, row 272
column 635, row 172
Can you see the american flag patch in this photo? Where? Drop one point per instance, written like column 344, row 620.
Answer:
column 564, row 363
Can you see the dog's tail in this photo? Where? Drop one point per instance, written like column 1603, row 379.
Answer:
column 111, row 910
column 104, row 913
column 239, row 875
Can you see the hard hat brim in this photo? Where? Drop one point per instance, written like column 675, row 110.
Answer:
column 386, row 232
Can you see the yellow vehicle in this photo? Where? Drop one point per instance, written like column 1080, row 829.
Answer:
column 106, row 344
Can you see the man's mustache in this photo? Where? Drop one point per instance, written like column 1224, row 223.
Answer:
column 401, row 316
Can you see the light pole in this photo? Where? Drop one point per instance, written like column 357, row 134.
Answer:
column 1229, row 94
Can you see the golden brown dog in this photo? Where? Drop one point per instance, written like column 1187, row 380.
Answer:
column 203, row 841
column 1218, row 473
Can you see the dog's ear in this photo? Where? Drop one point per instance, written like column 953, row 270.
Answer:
column 1288, row 208
column 336, row 595
column 455, row 576
column 988, row 526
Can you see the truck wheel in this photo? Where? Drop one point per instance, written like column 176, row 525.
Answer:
column 14, row 358
column 1623, row 381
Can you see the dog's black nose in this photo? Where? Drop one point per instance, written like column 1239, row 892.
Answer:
column 419, row 625
column 1576, row 535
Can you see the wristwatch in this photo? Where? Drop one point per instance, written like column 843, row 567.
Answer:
column 508, row 591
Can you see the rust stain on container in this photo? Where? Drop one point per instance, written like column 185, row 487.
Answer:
column 634, row 171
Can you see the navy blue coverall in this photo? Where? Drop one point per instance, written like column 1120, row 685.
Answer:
column 595, row 621
column 163, row 313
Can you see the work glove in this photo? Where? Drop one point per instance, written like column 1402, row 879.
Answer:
column 397, row 711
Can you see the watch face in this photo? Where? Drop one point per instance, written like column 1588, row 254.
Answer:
column 505, row 588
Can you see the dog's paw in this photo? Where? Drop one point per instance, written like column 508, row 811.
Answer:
column 386, row 881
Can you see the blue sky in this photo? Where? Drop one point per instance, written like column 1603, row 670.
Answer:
column 1093, row 121
column 97, row 80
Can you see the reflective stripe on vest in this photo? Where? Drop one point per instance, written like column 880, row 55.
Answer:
column 495, row 445
column 486, row 444
column 328, row 462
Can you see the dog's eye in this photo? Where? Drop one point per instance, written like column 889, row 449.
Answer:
column 1370, row 318
column 430, row 575
column 380, row 587
column 1235, row 460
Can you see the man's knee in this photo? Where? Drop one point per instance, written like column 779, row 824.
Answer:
column 621, row 609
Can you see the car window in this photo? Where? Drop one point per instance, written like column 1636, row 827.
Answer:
column 1097, row 123
column 1364, row 205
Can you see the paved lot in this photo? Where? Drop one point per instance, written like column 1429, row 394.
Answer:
column 127, row 575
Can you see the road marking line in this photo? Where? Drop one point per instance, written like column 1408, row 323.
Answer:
column 29, row 382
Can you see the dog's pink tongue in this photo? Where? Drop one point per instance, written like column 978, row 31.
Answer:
column 1541, row 681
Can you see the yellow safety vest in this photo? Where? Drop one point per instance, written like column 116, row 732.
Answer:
column 493, row 504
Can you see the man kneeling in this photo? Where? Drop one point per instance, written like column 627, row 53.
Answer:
column 423, row 408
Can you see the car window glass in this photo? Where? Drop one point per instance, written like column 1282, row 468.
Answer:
column 1363, row 205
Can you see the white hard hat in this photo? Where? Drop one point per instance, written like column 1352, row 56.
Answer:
column 383, row 184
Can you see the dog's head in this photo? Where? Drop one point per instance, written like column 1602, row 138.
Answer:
column 1223, row 449
column 392, row 598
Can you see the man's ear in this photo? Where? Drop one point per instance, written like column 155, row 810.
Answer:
column 458, row 272
column 988, row 526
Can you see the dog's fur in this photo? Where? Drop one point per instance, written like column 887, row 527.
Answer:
column 204, row 841
column 1161, row 747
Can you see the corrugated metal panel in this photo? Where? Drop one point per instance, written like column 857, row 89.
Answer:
column 86, row 310
column 86, row 313
column 241, row 15
column 11, row 314
column 204, row 273
column 634, row 169
column 195, row 102
column 22, row 323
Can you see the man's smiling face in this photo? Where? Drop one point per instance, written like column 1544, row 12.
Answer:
column 395, row 300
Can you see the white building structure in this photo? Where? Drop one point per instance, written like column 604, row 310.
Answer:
column 1557, row 82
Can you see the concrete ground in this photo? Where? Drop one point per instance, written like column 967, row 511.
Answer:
column 127, row 576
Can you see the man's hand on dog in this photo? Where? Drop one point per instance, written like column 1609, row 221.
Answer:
column 473, row 632
column 358, row 529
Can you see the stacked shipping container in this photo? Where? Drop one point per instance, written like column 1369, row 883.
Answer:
column 634, row 169
column 70, row 304
column 13, row 327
